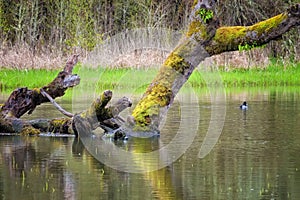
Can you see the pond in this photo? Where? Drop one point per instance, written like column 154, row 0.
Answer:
column 251, row 154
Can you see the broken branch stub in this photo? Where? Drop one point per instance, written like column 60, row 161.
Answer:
column 99, row 114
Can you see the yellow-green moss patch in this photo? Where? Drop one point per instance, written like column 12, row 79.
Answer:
column 62, row 125
column 159, row 96
column 196, row 27
column 176, row 62
column 232, row 37
column 267, row 25
column 225, row 34
column 29, row 130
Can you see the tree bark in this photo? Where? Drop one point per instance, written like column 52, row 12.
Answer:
column 203, row 38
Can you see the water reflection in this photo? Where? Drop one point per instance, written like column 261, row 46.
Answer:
column 256, row 157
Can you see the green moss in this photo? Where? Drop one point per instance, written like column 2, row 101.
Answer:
column 158, row 96
column 173, row 60
column 267, row 25
column 225, row 34
column 198, row 29
column 62, row 125
column 159, row 93
column 142, row 115
column 104, row 99
column 59, row 122
column 98, row 108
column 176, row 62
column 230, row 38
column 29, row 130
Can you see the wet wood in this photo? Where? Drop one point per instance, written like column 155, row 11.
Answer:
column 98, row 115
column 101, row 115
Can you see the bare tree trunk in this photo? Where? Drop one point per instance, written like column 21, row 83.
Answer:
column 203, row 38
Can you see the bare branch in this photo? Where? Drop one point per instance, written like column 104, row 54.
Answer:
column 71, row 63
column 58, row 107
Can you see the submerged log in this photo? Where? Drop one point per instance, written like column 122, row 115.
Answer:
column 203, row 38
column 97, row 115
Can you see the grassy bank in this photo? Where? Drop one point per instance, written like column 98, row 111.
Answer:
column 138, row 79
column 273, row 75
column 12, row 78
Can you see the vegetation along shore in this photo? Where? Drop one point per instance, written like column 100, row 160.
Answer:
column 273, row 75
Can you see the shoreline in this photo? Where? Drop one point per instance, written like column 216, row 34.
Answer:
column 109, row 78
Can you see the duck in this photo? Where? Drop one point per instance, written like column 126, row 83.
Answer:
column 244, row 106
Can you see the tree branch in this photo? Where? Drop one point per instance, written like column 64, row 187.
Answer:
column 58, row 107
column 230, row 38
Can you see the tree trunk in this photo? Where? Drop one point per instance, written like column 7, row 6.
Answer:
column 203, row 38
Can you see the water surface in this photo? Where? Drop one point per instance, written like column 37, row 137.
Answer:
column 255, row 157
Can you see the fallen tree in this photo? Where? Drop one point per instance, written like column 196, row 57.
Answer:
column 23, row 100
column 203, row 38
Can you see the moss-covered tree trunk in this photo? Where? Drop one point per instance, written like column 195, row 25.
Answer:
column 202, row 39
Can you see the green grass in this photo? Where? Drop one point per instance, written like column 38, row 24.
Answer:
column 273, row 75
column 138, row 79
column 11, row 79
column 114, row 79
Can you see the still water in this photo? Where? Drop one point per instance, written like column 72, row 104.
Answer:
column 256, row 155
